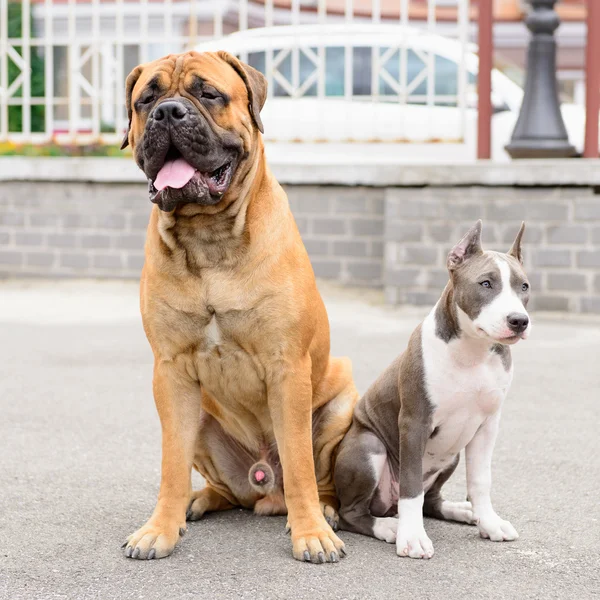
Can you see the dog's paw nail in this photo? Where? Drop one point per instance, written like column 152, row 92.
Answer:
column 124, row 544
column 307, row 556
column 321, row 557
column 343, row 551
column 333, row 557
column 182, row 531
column 151, row 554
column 136, row 553
column 129, row 551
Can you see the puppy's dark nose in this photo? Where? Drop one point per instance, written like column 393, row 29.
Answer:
column 170, row 109
column 518, row 322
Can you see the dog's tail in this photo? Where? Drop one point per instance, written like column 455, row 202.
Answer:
column 261, row 477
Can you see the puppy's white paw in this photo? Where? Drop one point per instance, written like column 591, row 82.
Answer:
column 458, row 511
column 497, row 529
column 385, row 529
column 412, row 541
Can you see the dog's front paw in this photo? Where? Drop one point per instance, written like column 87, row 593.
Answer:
column 156, row 539
column 330, row 514
column 317, row 545
column 412, row 541
column 496, row 529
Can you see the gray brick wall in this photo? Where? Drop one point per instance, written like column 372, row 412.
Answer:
column 561, row 243
column 342, row 229
column 396, row 238
column 98, row 230
column 72, row 229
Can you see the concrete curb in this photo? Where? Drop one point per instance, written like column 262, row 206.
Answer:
column 376, row 171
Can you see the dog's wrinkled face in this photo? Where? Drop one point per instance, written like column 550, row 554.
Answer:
column 193, row 123
column 491, row 289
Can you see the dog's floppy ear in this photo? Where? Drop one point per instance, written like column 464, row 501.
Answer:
column 256, row 84
column 469, row 246
column 515, row 249
column 129, row 85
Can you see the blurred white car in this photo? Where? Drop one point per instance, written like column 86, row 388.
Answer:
column 364, row 116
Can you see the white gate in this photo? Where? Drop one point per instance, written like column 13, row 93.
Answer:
column 338, row 70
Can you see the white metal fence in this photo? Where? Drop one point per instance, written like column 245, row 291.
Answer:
column 351, row 68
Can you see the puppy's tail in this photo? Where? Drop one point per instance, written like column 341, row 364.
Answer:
column 261, row 477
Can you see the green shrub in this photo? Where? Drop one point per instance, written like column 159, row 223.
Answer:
column 15, row 113
column 53, row 149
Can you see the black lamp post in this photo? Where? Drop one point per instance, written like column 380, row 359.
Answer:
column 540, row 131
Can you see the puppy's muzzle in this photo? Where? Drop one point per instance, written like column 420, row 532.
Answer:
column 517, row 322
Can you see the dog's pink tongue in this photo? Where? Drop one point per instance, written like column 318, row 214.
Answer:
column 174, row 174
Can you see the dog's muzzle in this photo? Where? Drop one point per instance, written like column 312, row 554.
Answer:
column 184, row 159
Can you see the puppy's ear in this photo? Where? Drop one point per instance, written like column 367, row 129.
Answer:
column 129, row 85
column 515, row 249
column 256, row 85
column 469, row 246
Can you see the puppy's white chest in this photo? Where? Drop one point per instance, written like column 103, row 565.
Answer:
column 459, row 375
column 477, row 390
column 464, row 389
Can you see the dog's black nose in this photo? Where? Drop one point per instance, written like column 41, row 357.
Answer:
column 518, row 322
column 170, row 110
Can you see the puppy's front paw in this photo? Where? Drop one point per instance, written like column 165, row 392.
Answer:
column 154, row 540
column 412, row 541
column 496, row 529
column 317, row 545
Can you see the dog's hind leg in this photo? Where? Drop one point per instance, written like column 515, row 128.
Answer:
column 206, row 500
column 436, row 507
column 272, row 504
column 224, row 464
column 358, row 470
column 330, row 423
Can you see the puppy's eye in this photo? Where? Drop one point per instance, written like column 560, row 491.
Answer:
column 485, row 284
column 525, row 287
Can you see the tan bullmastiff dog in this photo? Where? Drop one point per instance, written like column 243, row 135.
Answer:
column 243, row 382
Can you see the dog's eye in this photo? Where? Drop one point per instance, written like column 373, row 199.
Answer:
column 485, row 284
column 147, row 98
column 210, row 93
column 525, row 287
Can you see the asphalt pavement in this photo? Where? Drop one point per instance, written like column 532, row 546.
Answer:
column 80, row 460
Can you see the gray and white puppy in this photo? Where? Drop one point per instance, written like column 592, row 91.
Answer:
column 442, row 395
